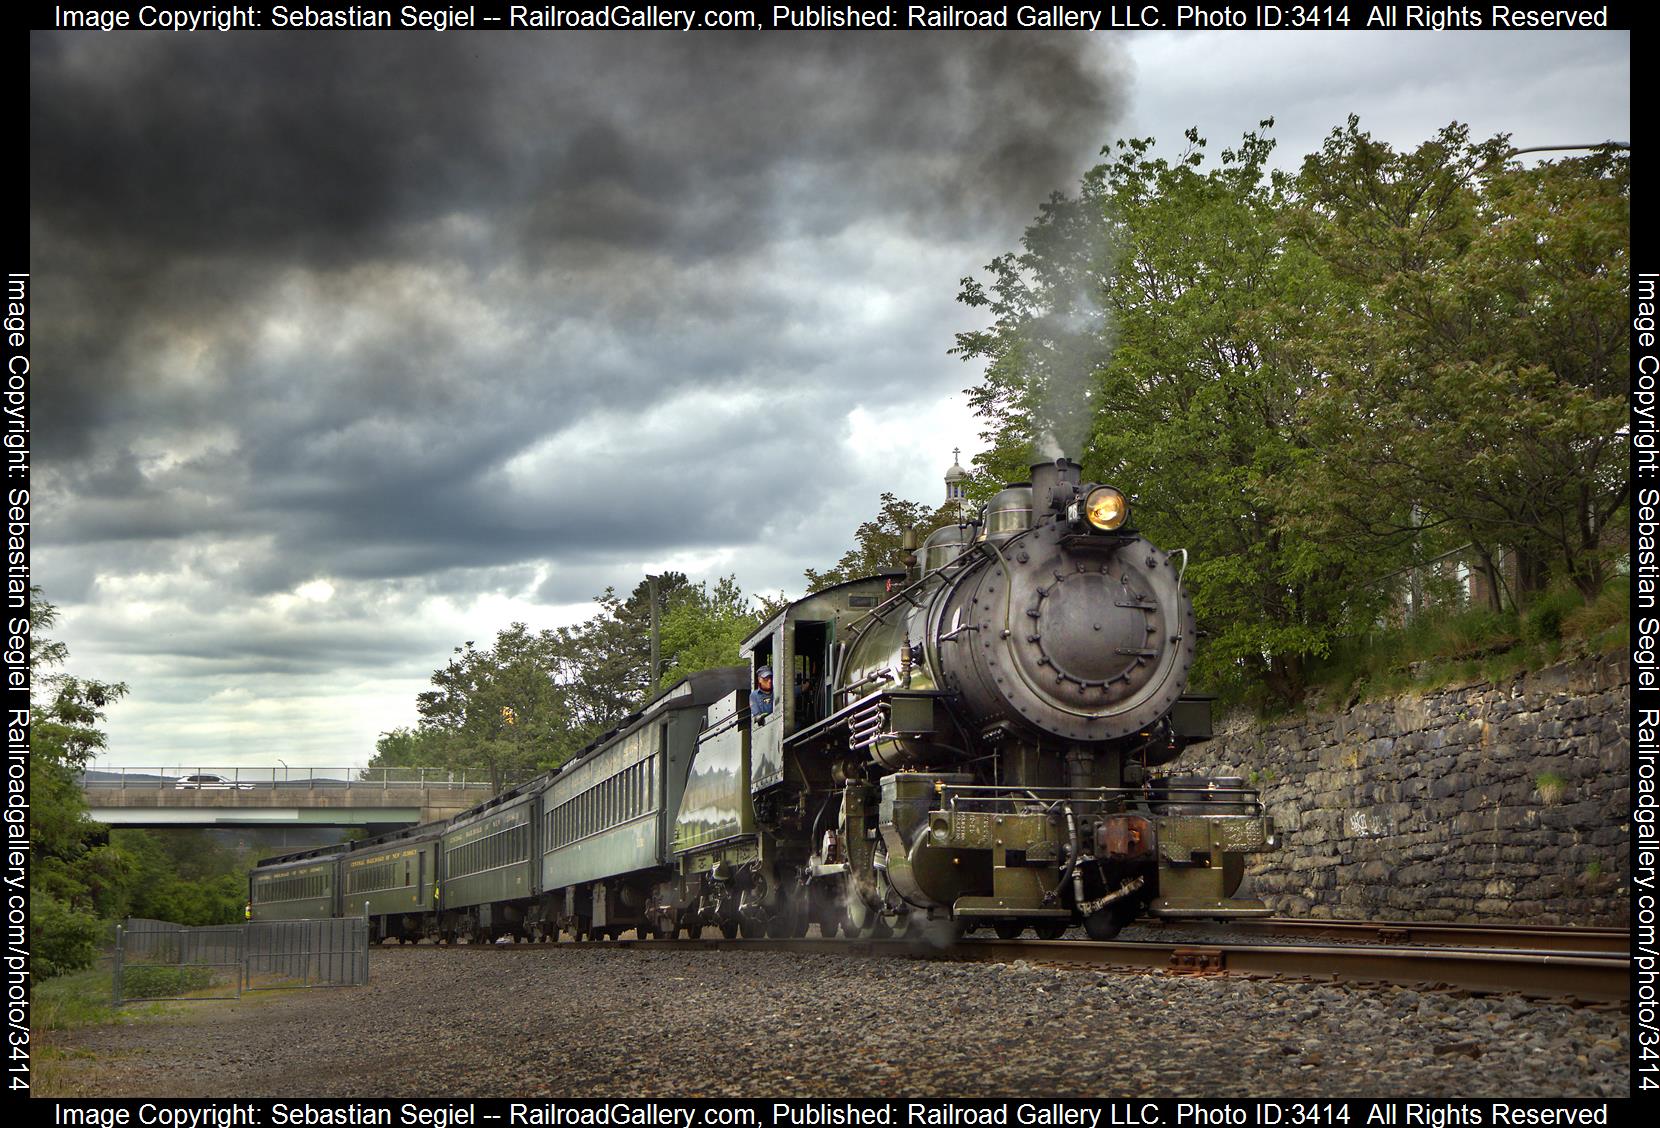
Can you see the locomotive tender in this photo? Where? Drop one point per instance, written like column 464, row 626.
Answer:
column 969, row 743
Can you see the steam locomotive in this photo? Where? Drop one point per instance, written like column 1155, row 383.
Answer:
column 969, row 743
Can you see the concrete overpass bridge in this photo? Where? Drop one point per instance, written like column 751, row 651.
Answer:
column 378, row 798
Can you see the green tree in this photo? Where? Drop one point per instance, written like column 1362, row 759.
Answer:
column 532, row 700
column 606, row 661
column 877, row 542
column 182, row 876
column 414, row 747
column 74, row 873
column 1192, row 395
column 702, row 627
column 1477, row 362
column 496, row 709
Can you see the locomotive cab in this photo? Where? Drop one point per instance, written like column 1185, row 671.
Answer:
column 801, row 645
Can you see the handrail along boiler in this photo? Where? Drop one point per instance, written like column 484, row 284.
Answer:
column 969, row 743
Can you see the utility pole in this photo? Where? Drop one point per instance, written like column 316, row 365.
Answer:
column 651, row 588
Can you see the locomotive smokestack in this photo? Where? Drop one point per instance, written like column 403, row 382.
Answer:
column 1054, row 484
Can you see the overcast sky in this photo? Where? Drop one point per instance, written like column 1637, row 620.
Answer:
column 352, row 347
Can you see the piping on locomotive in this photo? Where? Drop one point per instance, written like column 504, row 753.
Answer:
column 969, row 743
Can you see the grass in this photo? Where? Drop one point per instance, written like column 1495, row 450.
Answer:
column 84, row 998
column 1551, row 787
column 67, row 1001
column 1472, row 645
column 62, row 1003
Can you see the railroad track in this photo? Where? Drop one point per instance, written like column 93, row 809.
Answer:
column 1586, row 975
column 1548, row 938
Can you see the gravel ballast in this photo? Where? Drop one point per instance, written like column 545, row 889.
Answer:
column 566, row 1022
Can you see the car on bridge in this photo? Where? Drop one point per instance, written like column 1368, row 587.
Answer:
column 207, row 781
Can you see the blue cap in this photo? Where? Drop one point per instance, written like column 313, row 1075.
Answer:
column 764, row 672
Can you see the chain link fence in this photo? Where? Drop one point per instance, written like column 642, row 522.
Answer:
column 156, row 959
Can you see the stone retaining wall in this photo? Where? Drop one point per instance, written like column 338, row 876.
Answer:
column 1474, row 802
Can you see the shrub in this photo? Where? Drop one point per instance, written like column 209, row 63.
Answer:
column 1475, row 631
column 64, row 939
column 159, row 981
column 1543, row 621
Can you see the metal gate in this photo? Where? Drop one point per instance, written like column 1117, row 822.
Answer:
column 279, row 954
column 158, row 960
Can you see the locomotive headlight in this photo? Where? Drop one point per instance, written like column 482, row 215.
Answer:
column 1106, row 508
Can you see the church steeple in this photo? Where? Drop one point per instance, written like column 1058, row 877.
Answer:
column 955, row 478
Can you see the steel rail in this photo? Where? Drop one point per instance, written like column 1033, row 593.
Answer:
column 1593, row 977
column 1587, row 976
column 1555, row 938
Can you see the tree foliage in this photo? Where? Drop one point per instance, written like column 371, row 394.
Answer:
column 75, row 876
column 701, row 627
column 532, row 699
column 182, row 876
column 1479, row 363
column 1192, row 401
column 1312, row 382
column 496, row 709
column 877, row 543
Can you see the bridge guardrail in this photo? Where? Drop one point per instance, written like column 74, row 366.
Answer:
column 280, row 779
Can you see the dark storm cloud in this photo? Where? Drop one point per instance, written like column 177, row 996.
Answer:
column 172, row 165
column 326, row 286
column 326, row 148
column 346, row 343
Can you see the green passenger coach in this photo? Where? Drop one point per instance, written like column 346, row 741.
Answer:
column 393, row 879
column 608, row 812
column 489, row 866
column 303, row 887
